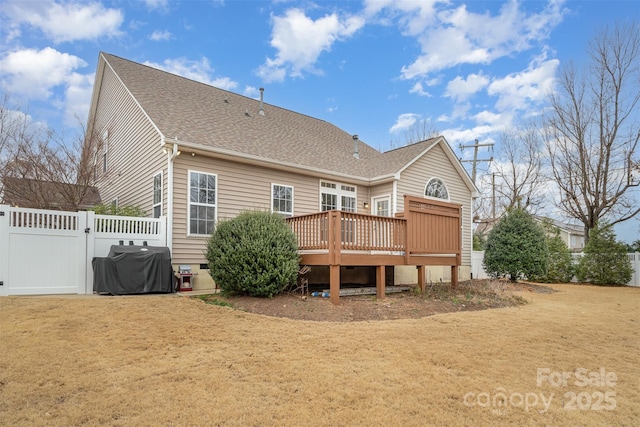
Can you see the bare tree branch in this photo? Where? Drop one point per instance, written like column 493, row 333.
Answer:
column 519, row 169
column 39, row 169
column 593, row 130
column 421, row 130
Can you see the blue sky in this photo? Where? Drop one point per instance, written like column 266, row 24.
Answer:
column 373, row 68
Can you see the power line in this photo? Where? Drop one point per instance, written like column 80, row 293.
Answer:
column 475, row 156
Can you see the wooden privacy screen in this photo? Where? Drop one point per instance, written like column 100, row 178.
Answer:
column 433, row 227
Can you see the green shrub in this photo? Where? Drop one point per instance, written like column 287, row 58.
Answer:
column 560, row 267
column 605, row 260
column 479, row 241
column 254, row 254
column 112, row 209
column 516, row 247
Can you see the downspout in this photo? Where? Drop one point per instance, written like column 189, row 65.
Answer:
column 394, row 196
column 171, row 155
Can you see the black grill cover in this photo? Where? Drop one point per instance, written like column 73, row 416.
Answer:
column 134, row 270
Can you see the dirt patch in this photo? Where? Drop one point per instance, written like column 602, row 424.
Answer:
column 439, row 298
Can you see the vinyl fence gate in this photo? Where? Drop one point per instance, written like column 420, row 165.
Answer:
column 50, row 252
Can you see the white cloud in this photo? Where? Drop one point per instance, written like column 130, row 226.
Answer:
column 333, row 106
column 67, row 21
column 454, row 36
column 520, row 91
column 414, row 16
column 460, row 110
column 466, row 136
column 34, row 73
column 299, row 41
column 491, row 118
column 418, row 89
column 157, row 4
column 461, row 89
column 404, row 122
column 78, row 97
column 161, row 35
column 251, row 92
column 195, row 70
column 223, row 83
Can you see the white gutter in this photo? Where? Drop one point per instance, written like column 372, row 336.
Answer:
column 253, row 159
column 395, row 196
column 171, row 155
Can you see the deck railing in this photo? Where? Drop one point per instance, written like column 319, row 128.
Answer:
column 349, row 231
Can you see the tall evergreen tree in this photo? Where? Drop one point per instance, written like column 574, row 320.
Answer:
column 560, row 266
column 605, row 260
column 516, row 247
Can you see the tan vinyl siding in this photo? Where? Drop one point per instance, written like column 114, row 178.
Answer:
column 240, row 187
column 134, row 153
column 382, row 190
column 435, row 164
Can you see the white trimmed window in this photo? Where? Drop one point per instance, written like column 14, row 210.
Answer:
column 335, row 196
column 105, row 150
column 202, row 203
column 282, row 199
column 436, row 188
column 95, row 165
column 157, row 195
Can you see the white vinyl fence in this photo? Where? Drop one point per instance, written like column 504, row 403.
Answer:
column 477, row 269
column 50, row 252
column 479, row 273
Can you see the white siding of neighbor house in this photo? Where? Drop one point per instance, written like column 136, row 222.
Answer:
column 134, row 152
column 436, row 164
column 240, row 187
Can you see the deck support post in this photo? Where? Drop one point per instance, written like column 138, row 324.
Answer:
column 381, row 291
column 334, row 284
column 421, row 277
column 454, row 276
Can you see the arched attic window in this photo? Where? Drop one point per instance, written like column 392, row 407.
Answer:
column 436, row 188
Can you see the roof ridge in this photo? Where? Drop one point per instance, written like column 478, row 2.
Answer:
column 225, row 91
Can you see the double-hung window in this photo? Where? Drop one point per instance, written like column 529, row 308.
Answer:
column 335, row 196
column 282, row 199
column 202, row 202
column 157, row 195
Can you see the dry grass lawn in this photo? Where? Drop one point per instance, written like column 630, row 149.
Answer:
column 175, row 361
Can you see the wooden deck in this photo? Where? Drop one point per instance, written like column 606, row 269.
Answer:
column 428, row 232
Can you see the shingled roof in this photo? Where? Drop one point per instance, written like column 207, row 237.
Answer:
column 33, row 193
column 210, row 118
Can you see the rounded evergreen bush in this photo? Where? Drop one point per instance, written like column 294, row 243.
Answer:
column 560, row 265
column 605, row 260
column 516, row 247
column 254, row 254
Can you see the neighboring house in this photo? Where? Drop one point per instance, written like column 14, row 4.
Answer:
column 572, row 235
column 198, row 154
column 32, row 193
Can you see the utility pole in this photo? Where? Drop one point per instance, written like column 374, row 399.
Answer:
column 493, row 196
column 475, row 157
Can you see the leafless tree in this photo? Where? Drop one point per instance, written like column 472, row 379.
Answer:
column 40, row 169
column 594, row 130
column 519, row 180
column 420, row 130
